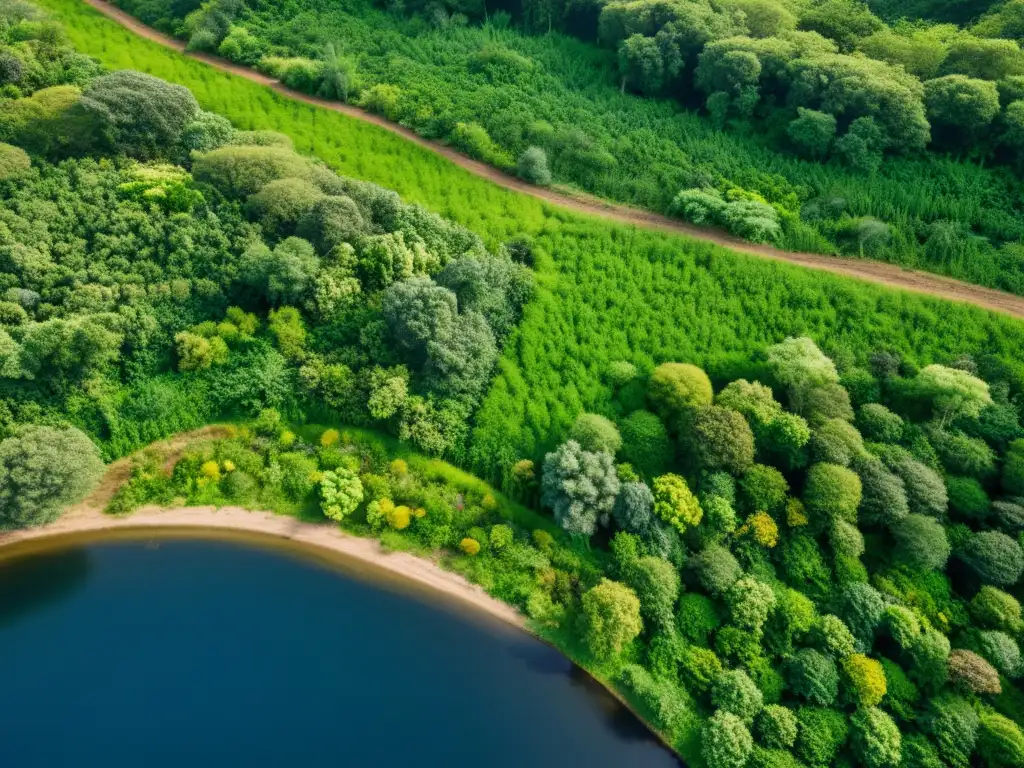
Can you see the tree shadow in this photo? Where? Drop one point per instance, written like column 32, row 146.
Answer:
column 31, row 583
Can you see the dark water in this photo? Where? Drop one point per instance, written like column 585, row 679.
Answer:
column 185, row 653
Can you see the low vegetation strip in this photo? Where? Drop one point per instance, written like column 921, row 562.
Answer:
column 875, row 272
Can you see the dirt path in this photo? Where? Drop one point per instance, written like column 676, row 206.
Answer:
column 871, row 271
column 417, row 571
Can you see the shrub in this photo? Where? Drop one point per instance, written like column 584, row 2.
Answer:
column 716, row 569
column 611, row 616
column 341, row 492
column 645, row 443
column 1000, row 741
column 43, row 470
column 697, row 618
column 764, row 488
column 831, row 492
column 879, row 424
column 995, row 609
column 532, row 167
column 279, row 205
column 725, row 741
column 662, row 702
column 579, row 486
column 675, row 388
column 1001, row 651
column 1013, row 468
column 813, row 676
column 595, row 433
column 995, row 557
column 865, row 680
column 821, row 733
column 970, row 672
column 921, row 543
column 901, row 695
column 470, row 546
column 876, row 738
column 804, row 566
column 733, row 691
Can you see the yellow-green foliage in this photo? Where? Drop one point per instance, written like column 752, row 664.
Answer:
column 865, row 679
column 470, row 546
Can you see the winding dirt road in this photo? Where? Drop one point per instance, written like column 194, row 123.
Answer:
column 870, row 271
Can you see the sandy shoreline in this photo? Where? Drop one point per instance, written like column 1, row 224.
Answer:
column 417, row 570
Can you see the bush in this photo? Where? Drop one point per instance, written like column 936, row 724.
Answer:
column 953, row 723
column 836, row 636
column 675, row 504
column 804, row 566
column 733, row 691
column 879, row 424
column 776, row 727
column 901, row 695
column 721, row 439
column 699, row 668
column 725, row 741
column 865, row 680
column 279, row 205
column 579, row 487
column 995, row 557
column 930, row 658
column 611, row 617
column 14, row 162
column 876, row 738
column 750, row 603
column 662, row 702
column 43, row 470
column 645, row 443
column 970, row 672
column 821, row 733
column 862, row 608
column 341, row 492
column 926, row 493
column 903, row 625
column 921, row 543
column 763, row 488
column 656, row 584
column 1000, row 741
column 1001, row 651
column 967, row 498
column 813, row 676
column 595, row 433
column 532, row 167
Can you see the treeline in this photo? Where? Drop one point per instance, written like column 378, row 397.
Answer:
column 159, row 269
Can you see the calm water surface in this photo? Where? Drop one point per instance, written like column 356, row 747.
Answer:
column 192, row 652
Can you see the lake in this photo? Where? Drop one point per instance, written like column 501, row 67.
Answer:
column 173, row 650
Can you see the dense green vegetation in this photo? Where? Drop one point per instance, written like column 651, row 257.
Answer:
column 800, row 559
column 783, row 109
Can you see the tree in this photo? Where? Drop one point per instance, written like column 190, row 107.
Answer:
column 197, row 353
column 1013, row 469
column 416, row 312
column 284, row 275
column 634, row 512
column 845, row 21
column 736, row 693
column 1000, row 741
column 813, row 676
column 995, row 609
column 461, row 357
column 862, row 608
column 725, row 741
column 645, row 443
column 926, row 493
column 139, row 114
column 799, row 366
column 876, row 738
column 836, row 441
column 822, row 732
column 752, row 399
column 836, row 636
column 611, row 616
column 865, row 680
column 280, row 204
column 831, row 493
column 579, row 486
column 241, row 171
column 777, row 727
column 675, row 503
column 333, row 220
column 1001, row 651
column 984, row 59
column 961, row 105
column 763, row 488
column 341, row 492
column 14, row 162
column 721, row 439
column 970, row 672
column 676, row 388
column 952, row 392
column 930, row 656
column 532, row 167
column 883, row 495
column 697, row 618
column 750, row 603
column 206, row 132
column 656, row 584
column 596, row 433
column 812, row 132
column 878, row 423
column 921, row 543
column 967, row 498
column 995, row 557
column 648, row 64
column 43, row 470
column 716, row 569
column 953, row 722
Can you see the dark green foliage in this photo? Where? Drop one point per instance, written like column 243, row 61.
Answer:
column 656, row 584
column 763, row 488
column 596, row 433
column 804, row 566
column 697, row 618
column 921, row 542
column 1000, row 741
column 813, row 676
column 820, row 735
column 879, row 424
column 645, row 443
column 953, row 724
column 901, row 695
column 733, row 691
column 994, row 556
column 967, row 498
column 875, row 737
column 862, row 608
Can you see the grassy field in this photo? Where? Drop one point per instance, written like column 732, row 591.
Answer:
column 608, row 292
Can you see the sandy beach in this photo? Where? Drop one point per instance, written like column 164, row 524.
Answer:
column 419, row 571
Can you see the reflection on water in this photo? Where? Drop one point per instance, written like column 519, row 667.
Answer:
column 164, row 651
column 33, row 583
